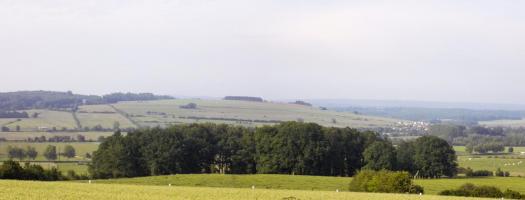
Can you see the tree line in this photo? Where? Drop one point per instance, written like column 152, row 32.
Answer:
column 287, row 148
column 11, row 101
column 50, row 153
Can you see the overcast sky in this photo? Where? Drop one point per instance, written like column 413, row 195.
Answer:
column 468, row 51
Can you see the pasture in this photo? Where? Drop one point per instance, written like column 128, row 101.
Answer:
column 83, row 190
column 514, row 163
column 165, row 112
column 316, row 183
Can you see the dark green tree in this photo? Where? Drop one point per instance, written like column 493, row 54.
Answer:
column 380, row 156
column 31, row 152
column 434, row 157
column 69, row 151
column 51, row 152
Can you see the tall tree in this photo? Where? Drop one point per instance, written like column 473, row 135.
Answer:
column 51, row 152
column 434, row 157
column 380, row 156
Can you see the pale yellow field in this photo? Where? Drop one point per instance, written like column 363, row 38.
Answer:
column 46, row 119
column 103, row 115
column 68, row 190
column 242, row 110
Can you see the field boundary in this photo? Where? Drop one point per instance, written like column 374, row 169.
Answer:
column 125, row 115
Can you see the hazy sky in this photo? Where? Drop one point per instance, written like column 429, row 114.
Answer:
column 406, row 50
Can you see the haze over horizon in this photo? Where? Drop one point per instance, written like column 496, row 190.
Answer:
column 438, row 51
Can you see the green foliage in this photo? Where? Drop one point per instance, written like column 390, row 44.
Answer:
column 287, row 148
column 69, row 151
column 501, row 173
column 470, row 190
column 12, row 170
column 51, row 152
column 383, row 181
column 434, row 157
column 471, row 173
column 405, row 157
column 380, row 155
column 16, row 152
column 31, row 152
column 511, row 149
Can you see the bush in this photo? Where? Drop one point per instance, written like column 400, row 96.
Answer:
column 470, row 190
column 510, row 194
column 502, row 173
column 384, row 181
column 471, row 173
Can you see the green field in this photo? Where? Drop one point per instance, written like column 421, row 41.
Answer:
column 514, row 163
column 68, row 190
column 321, row 183
column 165, row 112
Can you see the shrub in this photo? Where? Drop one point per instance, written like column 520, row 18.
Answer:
column 470, row 190
column 510, row 194
column 384, row 181
column 471, row 173
column 502, row 173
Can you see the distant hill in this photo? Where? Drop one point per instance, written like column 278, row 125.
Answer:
column 64, row 100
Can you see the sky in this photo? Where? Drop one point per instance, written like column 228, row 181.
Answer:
column 443, row 50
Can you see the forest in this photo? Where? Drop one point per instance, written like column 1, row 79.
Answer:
column 288, row 148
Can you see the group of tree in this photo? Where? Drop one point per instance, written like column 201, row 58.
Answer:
column 470, row 190
column 58, row 138
column 12, row 170
column 20, row 153
column 484, row 144
column 13, row 114
column 50, row 153
column 119, row 96
column 480, row 139
column 286, row 148
column 243, row 98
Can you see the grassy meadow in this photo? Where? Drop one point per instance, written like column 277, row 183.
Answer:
column 514, row 163
column 67, row 190
column 316, row 183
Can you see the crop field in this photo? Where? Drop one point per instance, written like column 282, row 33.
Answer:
column 81, row 149
column 47, row 119
column 67, row 190
column 505, row 123
column 164, row 112
column 103, row 115
column 316, row 183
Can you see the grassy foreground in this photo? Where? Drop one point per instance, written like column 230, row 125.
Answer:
column 318, row 183
column 68, row 190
